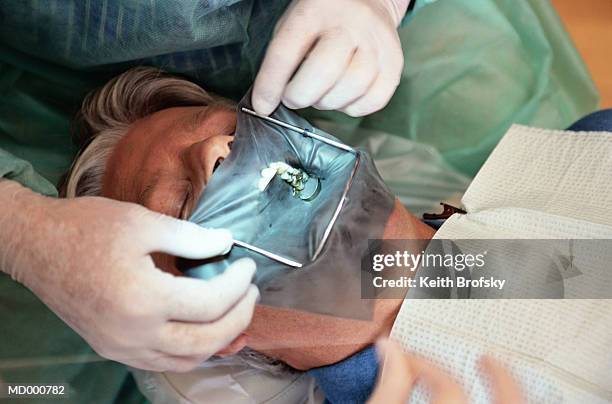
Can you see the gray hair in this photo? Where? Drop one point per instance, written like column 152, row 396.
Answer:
column 106, row 115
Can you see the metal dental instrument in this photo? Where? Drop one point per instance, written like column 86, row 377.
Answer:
column 268, row 254
column 329, row 227
column 302, row 131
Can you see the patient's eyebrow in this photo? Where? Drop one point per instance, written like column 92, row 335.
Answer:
column 195, row 120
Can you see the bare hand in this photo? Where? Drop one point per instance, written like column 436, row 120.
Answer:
column 401, row 371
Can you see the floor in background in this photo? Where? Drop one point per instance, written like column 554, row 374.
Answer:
column 589, row 22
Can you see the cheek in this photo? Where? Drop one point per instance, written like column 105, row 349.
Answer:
column 166, row 263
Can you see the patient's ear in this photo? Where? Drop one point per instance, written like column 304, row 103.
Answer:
column 234, row 347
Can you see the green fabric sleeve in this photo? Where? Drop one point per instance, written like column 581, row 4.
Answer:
column 21, row 171
column 413, row 8
column 37, row 102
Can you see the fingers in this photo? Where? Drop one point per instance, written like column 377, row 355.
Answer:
column 234, row 347
column 196, row 300
column 165, row 234
column 355, row 82
column 399, row 373
column 505, row 389
column 396, row 378
column 203, row 340
column 382, row 89
column 292, row 41
column 321, row 69
column 444, row 389
column 376, row 98
column 322, row 36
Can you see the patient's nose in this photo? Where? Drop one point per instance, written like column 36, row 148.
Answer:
column 206, row 156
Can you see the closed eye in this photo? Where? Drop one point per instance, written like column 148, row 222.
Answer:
column 184, row 212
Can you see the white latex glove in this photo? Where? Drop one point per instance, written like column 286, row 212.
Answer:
column 88, row 260
column 334, row 55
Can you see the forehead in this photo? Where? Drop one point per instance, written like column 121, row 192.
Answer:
column 153, row 144
column 176, row 125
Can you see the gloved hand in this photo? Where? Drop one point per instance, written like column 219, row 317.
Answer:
column 348, row 53
column 88, row 260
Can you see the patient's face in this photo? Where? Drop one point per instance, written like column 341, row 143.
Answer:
column 164, row 163
column 166, row 159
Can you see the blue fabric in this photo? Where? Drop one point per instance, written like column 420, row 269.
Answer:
column 599, row 121
column 350, row 381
